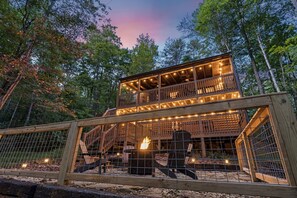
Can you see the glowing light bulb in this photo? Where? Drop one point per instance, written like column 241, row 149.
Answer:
column 227, row 161
column 46, row 160
column 24, row 165
column 174, row 74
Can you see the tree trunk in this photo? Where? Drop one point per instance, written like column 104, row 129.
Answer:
column 241, row 25
column 253, row 61
column 13, row 114
column 7, row 93
column 283, row 72
column 30, row 110
column 267, row 63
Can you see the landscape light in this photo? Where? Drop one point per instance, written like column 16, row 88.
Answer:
column 24, row 165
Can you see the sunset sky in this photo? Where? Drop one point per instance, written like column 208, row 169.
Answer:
column 158, row 18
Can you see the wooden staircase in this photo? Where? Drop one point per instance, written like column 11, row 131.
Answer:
column 99, row 139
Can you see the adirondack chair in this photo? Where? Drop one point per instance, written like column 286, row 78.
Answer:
column 179, row 152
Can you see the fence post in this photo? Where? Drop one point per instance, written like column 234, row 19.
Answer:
column 284, row 123
column 239, row 152
column 249, row 156
column 69, row 150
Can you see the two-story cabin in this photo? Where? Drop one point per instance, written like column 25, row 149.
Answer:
column 202, row 81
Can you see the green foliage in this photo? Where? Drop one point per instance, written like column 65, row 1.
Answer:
column 143, row 55
column 173, row 52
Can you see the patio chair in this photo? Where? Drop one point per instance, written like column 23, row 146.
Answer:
column 178, row 154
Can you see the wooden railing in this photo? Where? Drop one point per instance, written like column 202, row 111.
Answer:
column 148, row 96
column 217, row 84
column 283, row 126
column 213, row 85
column 173, row 92
column 128, row 99
column 108, row 138
column 94, row 135
column 259, row 152
column 227, row 124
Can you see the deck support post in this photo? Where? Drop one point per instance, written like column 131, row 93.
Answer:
column 203, row 149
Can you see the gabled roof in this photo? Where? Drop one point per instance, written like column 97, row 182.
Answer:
column 176, row 67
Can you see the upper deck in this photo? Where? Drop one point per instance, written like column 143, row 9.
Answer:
column 200, row 81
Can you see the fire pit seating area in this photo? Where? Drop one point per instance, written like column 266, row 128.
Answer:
column 142, row 161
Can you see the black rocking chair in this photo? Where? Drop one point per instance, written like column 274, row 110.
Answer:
column 179, row 153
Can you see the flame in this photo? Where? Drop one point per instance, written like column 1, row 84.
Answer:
column 145, row 143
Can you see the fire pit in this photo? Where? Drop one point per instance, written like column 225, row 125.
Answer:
column 141, row 160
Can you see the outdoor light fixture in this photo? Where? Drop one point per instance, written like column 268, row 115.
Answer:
column 210, row 65
column 24, row 165
column 226, row 161
column 46, row 160
column 174, row 74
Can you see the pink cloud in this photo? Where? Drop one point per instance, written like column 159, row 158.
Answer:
column 130, row 27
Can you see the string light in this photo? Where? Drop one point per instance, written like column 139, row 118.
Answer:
column 210, row 66
column 174, row 74
column 166, row 76
column 182, row 71
column 46, row 160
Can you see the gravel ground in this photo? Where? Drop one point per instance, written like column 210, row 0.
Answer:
column 136, row 191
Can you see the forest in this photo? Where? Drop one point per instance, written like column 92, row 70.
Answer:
column 62, row 60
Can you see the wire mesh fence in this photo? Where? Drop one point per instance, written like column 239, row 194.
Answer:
column 215, row 147
column 266, row 154
column 40, row 151
column 191, row 147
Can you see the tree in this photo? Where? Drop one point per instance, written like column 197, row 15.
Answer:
column 173, row 52
column 143, row 55
column 40, row 35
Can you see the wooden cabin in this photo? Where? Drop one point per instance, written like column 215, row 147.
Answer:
column 202, row 81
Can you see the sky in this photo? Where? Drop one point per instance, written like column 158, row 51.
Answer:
column 158, row 18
